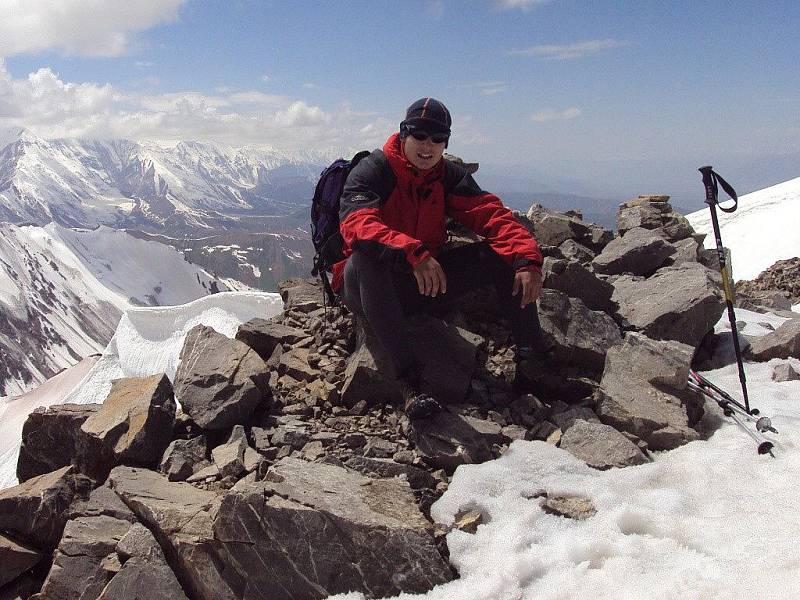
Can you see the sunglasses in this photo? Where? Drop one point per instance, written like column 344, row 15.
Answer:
column 436, row 138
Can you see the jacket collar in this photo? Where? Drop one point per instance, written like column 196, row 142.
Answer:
column 403, row 168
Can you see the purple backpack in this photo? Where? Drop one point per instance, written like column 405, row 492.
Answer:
column 325, row 234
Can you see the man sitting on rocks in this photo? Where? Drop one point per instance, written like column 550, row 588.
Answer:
column 393, row 220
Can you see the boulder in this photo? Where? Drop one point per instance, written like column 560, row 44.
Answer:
column 50, row 438
column 448, row 352
column 294, row 363
column 679, row 303
column 15, row 559
column 86, row 559
column 639, row 252
column 643, row 391
column 572, row 250
column 183, row 457
column 685, row 251
column 132, row 426
column 324, row 530
column 144, row 573
column 785, row 372
column 577, row 281
column 301, row 295
column 447, row 440
column 600, row 446
column 383, row 467
column 37, row 509
column 219, row 381
column 229, row 457
column 578, row 336
column 784, row 342
column 653, row 212
column 180, row 517
column 264, row 335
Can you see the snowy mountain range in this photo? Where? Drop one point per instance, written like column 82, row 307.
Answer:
column 62, row 292
column 122, row 183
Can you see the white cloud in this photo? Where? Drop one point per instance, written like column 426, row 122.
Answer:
column 266, row 78
column 519, row 4
column 487, row 88
column 568, row 51
column 79, row 27
column 52, row 108
column 141, row 64
column 310, row 86
column 546, row 115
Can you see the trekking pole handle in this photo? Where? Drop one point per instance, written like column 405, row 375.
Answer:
column 711, row 179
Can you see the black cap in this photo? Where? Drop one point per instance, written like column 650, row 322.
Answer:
column 429, row 115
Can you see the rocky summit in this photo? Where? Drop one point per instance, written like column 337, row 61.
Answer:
column 290, row 472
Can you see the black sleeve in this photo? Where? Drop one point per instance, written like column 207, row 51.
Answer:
column 368, row 186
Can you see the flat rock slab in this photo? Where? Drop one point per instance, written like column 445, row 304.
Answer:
column 601, row 446
column 183, row 457
column 643, row 391
column 785, row 372
column 679, row 303
column 577, row 281
column 639, row 252
column 301, row 295
column 579, row 337
column 784, row 342
column 264, row 335
column 15, row 559
column 50, row 438
column 180, row 517
column 383, row 467
column 140, row 578
column 133, row 425
column 36, row 510
column 310, row 530
column 448, row 353
column 219, row 381
column 86, row 559
column 448, row 440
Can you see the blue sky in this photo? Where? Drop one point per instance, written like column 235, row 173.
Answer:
column 620, row 94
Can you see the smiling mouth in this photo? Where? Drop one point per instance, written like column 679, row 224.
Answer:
column 425, row 156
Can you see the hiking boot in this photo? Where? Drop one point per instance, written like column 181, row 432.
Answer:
column 531, row 364
column 416, row 403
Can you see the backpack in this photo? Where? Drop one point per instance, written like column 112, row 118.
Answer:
column 325, row 233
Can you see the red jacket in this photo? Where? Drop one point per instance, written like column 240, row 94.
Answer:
column 394, row 211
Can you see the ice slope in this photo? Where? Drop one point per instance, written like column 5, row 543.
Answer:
column 147, row 341
column 62, row 292
column 763, row 230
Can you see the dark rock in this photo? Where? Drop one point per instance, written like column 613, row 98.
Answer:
column 36, row 510
column 382, row 467
column 85, row 560
column 343, row 532
column 679, row 303
column 50, row 438
column 138, row 542
column 180, row 516
column 573, row 251
column 566, row 419
column 102, row 502
column 577, row 281
column 133, row 425
column 378, row 447
column 140, row 578
column 219, row 381
column 492, row 432
column 291, row 435
column 782, row 278
column 447, row 440
column 182, row 457
column 577, row 335
column 785, row 372
column 294, row 362
column 784, row 342
column 685, row 251
column 265, row 336
column 15, row 559
column 600, row 446
column 571, row 507
column 301, row 295
column 551, row 228
column 643, row 391
column 653, row 212
column 528, row 410
column 639, row 252
column 229, row 457
column 448, row 353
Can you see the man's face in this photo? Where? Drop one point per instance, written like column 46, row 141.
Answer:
column 423, row 154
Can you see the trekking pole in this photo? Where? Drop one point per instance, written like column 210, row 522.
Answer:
column 710, row 180
column 733, row 409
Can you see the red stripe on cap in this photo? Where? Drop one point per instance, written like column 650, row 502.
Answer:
column 425, row 107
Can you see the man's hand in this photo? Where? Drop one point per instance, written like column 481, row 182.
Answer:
column 530, row 282
column 430, row 277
